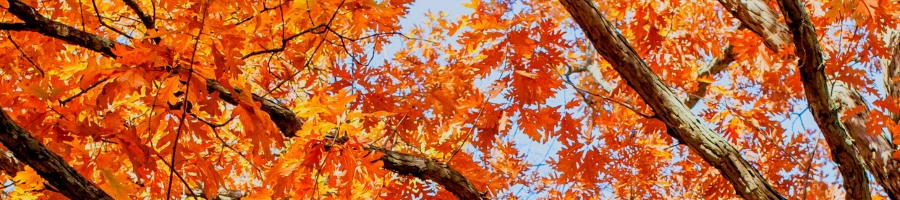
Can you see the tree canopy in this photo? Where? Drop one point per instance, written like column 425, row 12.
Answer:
column 315, row 99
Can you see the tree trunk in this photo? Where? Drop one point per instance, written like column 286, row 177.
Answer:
column 747, row 181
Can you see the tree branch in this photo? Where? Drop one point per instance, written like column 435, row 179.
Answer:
column 428, row 169
column 759, row 18
column 146, row 19
column 875, row 151
column 815, row 85
column 716, row 66
column 49, row 165
column 283, row 117
column 36, row 22
column 17, row 27
column 718, row 152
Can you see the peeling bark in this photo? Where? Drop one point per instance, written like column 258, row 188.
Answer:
column 885, row 169
column 283, row 117
column 718, row 152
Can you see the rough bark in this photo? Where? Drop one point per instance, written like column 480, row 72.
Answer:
column 718, row 152
column 876, row 150
column 763, row 21
column 283, row 117
column 872, row 149
column 54, row 29
column 812, row 72
column 49, row 165
column 425, row 168
column 892, row 72
column 882, row 166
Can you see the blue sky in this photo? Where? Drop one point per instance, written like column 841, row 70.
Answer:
column 539, row 153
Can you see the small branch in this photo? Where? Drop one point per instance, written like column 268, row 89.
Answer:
column 283, row 42
column 714, row 67
column 94, row 2
column 584, row 94
column 85, row 90
column 23, row 54
column 265, row 9
column 147, row 20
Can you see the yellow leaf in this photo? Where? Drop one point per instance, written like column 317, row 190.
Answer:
column 114, row 187
column 155, row 33
column 503, row 121
column 706, row 79
column 526, row 74
column 29, row 179
column 380, row 114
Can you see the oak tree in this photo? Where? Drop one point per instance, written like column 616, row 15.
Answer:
column 159, row 99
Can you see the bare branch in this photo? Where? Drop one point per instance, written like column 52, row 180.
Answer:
column 104, row 24
column 85, row 90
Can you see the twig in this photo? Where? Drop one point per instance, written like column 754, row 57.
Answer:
column 85, row 90
column 24, row 55
column 185, row 108
column 94, row 2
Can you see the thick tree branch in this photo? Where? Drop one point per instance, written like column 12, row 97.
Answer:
column 34, row 21
column 50, row 166
column 718, row 152
column 17, row 27
column 815, row 85
column 756, row 15
column 428, row 169
column 763, row 20
column 283, row 117
column 878, row 150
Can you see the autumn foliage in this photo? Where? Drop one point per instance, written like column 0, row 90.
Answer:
column 568, row 99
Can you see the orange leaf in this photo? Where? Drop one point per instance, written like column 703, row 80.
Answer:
column 526, row 74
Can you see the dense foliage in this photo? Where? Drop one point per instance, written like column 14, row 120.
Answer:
column 155, row 99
